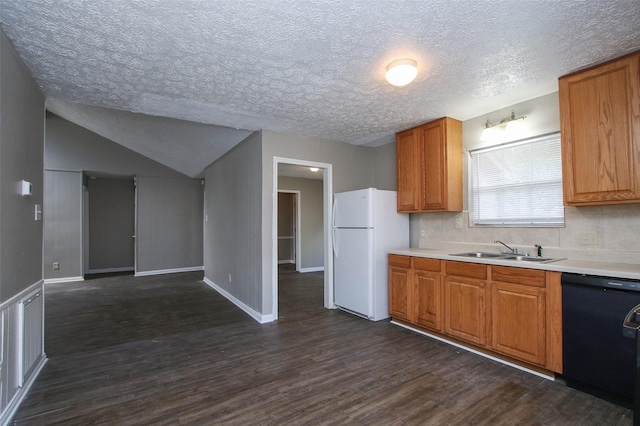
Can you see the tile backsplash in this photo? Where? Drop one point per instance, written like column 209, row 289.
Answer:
column 614, row 232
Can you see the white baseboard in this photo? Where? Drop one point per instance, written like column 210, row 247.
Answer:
column 63, row 280
column 502, row 361
column 262, row 319
column 282, row 262
column 314, row 269
column 13, row 406
column 169, row 271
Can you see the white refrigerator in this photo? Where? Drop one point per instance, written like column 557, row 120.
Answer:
column 366, row 225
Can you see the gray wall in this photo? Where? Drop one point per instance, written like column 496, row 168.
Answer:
column 71, row 147
column 21, row 157
column 384, row 167
column 311, row 220
column 63, row 224
column 233, row 236
column 169, row 228
column 170, row 204
column 111, row 224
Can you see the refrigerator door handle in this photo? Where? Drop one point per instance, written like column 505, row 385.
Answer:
column 333, row 242
column 333, row 227
column 333, row 213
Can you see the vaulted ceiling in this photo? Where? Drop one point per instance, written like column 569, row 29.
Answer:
column 184, row 81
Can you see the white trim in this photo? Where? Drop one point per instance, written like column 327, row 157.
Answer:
column 19, row 361
column 287, row 262
column 327, row 195
column 314, row 269
column 21, row 393
column 457, row 345
column 17, row 298
column 17, row 399
column 169, row 271
column 63, row 280
column 108, row 270
column 262, row 319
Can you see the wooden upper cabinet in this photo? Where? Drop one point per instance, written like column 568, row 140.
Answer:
column 600, row 126
column 429, row 167
column 407, row 167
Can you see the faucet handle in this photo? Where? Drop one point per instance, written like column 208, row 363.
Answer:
column 539, row 247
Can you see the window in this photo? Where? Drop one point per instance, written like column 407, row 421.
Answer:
column 518, row 184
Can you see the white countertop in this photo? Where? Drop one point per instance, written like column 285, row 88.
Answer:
column 587, row 267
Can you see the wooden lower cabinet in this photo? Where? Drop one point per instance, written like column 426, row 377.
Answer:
column 465, row 309
column 415, row 288
column 427, row 287
column 518, row 313
column 511, row 311
column 400, row 281
column 519, row 321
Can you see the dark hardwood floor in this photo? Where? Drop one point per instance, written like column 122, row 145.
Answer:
column 169, row 350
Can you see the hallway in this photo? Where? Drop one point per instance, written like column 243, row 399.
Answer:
column 169, row 350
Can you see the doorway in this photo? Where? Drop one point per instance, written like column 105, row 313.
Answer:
column 109, row 224
column 288, row 230
column 325, row 173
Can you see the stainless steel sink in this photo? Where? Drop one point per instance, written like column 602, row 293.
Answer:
column 529, row 258
column 506, row 256
column 478, row 254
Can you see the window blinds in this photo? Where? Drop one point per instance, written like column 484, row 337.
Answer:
column 518, row 184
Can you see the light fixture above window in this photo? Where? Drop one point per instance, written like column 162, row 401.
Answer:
column 314, row 169
column 401, row 72
column 509, row 128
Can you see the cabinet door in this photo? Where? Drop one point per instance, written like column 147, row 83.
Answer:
column 465, row 309
column 408, row 170
column 399, row 287
column 519, row 321
column 428, row 299
column 432, row 166
column 600, row 125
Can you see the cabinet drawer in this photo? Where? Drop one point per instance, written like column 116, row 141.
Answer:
column 402, row 261
column 531, row 277
column 426, row 264
column 464, row 269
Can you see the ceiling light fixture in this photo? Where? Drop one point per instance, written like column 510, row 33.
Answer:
column 401, row 72
column 508, row 129
column 314, row 169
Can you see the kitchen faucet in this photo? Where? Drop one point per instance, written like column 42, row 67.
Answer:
column 513, row 250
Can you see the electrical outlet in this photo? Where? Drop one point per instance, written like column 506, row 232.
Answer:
column 423, row 233
column 458, row 223
column 589, row 238
column 56, row 266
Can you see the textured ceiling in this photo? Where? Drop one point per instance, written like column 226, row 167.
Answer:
column 312, row 67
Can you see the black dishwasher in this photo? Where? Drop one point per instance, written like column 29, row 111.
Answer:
column 597, row 358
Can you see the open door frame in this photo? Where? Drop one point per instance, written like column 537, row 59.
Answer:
column 327, row 195
column 296, row 225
